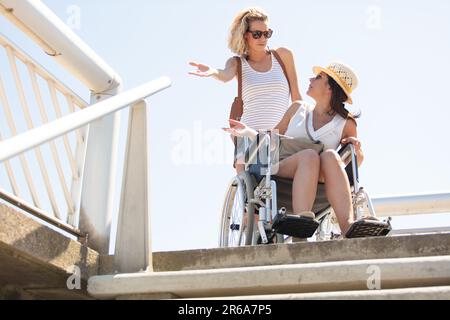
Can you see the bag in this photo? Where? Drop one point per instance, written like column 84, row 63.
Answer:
column 237, row 108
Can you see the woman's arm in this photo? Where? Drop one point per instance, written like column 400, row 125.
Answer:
column 240, row 129
column 284, row 123
column 288, row 59
column 224, row 75
column 350, row 135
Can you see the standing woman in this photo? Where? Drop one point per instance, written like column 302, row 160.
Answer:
column 269, row 77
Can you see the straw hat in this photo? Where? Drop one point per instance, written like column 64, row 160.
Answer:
column 343, row 75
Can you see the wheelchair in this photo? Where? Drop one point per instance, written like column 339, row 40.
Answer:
column 270, row 197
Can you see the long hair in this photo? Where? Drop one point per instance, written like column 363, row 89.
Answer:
column 338, row 97
column 240, row 25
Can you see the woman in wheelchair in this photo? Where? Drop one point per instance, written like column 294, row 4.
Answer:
column 329, row 122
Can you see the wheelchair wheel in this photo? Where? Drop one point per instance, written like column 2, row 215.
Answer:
column 237, row 220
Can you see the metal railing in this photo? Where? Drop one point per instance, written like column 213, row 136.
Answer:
column 35, row 137
column 95, row 162
column 20, row 108
column 415, row 204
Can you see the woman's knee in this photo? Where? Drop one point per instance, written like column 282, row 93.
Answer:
column 330, row 157
column 309, row 157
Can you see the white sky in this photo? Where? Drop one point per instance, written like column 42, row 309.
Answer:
column 399, row 50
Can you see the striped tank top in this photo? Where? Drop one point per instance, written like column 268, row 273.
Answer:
column 265, row 95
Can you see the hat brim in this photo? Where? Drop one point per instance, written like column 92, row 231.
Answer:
column 318, row 70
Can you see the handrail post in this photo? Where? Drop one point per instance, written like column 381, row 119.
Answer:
column 133, row 251
column 98, row 188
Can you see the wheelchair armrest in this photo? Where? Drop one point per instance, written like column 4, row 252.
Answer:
column 250, row 152
column 255, row 149
column 346, row 152
column 348, row 156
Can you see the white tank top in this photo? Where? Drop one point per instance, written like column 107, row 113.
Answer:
column 265, row 95
column 301, row 125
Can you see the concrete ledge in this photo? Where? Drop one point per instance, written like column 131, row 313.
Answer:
column 38, row 259
column 306, row 252
column 426, row 293
column 294, row 278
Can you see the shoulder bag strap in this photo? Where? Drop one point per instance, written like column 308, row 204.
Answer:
column 239, row 76
column 280, row 61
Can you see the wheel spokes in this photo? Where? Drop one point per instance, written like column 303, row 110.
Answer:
column 236, row 224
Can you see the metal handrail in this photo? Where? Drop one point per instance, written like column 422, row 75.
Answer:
column 403, row 205
column 35, row 19
column 21, row 204
column 38, row 136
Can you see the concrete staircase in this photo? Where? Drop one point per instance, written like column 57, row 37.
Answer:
column 400, row 267
column 36, row 263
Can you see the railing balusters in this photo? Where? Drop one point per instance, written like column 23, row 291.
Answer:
column 22, row 56
column 30, row 125
column 13, row 130
column 74, row 102
column 80, row 153
column 71, row 205
column 44, row 120
column 72, row 110
column 57, row 107
column 76, row 187
column 11, row 178
column 9, row 170
column 60, row 172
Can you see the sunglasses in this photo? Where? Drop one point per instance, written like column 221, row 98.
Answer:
column 258, row 34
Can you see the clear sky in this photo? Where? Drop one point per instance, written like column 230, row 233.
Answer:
column 399, row 49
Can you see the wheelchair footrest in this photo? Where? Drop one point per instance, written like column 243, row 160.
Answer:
column 271, row 236
column 295, row 226
column 368, row 228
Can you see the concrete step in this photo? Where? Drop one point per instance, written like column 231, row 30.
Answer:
column 421, row 293
column 36, row 261
column 423, row 245
column 276, row 279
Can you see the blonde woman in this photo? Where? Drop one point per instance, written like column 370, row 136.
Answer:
column 267, row 92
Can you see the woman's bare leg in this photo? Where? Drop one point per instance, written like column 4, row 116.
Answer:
column 304, row 168
column 337, row 188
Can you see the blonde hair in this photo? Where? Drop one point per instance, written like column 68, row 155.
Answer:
column 240, row 25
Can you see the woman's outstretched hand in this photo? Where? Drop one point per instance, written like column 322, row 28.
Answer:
column 240, row 129
column 202, row 70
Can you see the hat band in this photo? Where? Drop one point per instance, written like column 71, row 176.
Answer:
column 342, row 83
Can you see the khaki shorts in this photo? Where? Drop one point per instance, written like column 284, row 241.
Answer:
column 284, row 196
